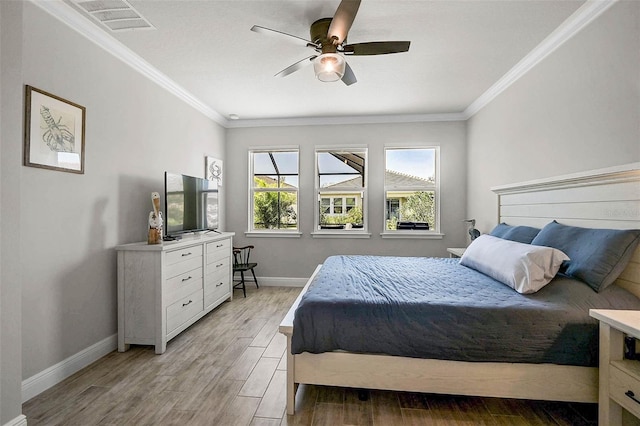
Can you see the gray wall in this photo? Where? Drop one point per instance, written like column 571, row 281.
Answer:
column 297, row 258
column 579, row 109
column 135, row 130
column 10, row 195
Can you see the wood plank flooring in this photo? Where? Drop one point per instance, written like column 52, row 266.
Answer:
column 229, row 369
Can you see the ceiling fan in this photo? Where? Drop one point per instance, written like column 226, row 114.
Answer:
column 328, row 38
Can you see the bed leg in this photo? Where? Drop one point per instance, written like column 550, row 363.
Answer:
column 291, row 385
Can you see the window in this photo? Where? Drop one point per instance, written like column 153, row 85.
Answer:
column 341, row 189
column 273, row 190
column 411, row 190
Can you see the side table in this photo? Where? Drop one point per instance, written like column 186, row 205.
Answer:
column 619, row 378
column 456, row 252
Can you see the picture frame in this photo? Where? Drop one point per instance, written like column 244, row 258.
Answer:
column 54, row 130
column 213, row 171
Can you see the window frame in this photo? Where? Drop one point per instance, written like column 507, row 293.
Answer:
column 342, row 194
column 435, row 230
column 257, row 232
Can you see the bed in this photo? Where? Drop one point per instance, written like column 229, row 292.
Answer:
column 605, row 198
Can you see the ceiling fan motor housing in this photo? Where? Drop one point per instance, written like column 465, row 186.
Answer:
column 319, row 30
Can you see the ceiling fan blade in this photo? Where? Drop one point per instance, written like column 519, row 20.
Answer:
column 342, row 20
column 377, row 48
column 349, row 77
column 296, row 39
column 295, row 67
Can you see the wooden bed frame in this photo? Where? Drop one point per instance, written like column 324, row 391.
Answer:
column 604, row 198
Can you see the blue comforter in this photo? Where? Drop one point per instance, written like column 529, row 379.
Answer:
column 436, row 308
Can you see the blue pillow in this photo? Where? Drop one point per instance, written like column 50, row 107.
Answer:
column 520, row 234
column 598, row 256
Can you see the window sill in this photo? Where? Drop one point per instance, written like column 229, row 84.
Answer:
column 273, row 234
column 413, row 234
column 340, row 234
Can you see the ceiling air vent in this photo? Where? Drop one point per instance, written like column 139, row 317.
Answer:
column 117, row 15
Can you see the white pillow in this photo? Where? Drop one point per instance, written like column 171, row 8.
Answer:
column 523, row 267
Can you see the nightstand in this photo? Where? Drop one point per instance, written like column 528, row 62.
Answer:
column 456, row 252
column 619, row 378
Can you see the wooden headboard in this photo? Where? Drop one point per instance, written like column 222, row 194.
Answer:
column 603, row 198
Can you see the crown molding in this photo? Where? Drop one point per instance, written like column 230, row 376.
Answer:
column 74, row 20
column 352, row 119
column 582, row 17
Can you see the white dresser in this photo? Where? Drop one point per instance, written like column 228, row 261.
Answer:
column 164, row 288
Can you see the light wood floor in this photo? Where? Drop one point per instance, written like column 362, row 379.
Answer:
column 229, row 369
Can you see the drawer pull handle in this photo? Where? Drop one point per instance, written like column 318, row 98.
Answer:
column 631, row 395
column 186, row 279
column 218, row 285
column 185, row 304
column 186, row 254
column 219, row 265
column 219, row 245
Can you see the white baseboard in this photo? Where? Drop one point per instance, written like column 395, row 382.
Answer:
column 281, row 281
column 57, row 373
column 21, row 420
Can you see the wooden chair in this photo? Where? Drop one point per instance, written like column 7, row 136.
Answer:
column 242, row 264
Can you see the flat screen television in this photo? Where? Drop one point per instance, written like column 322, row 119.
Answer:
column 190, row 204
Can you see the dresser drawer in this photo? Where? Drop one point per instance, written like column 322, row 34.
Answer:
column 183, row 267
column 621, row 382
column 184, row 309
column 219, row 265
column 181, row 255
column 217, row 250
column 216, row 280
column 219, row 291
column 182, row 285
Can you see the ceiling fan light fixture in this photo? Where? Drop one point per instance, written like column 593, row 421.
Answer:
column 329, row 67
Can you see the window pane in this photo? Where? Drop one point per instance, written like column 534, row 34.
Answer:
column 341, row 181
column 273, row 163
column 350, row 203
column 337, row 205
column 262, row 164
column 289, row 181
column 410, row 167
column 339, row 169
column 286, row 162
column 275, row 210
column 338, row 218
column 325, row 206
column 410, row 206
column 263, row 181
column 340, row 162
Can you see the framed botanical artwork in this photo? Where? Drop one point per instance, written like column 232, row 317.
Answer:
column 53, row 132
column 213, row 171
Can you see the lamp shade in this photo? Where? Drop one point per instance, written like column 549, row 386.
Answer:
column 329, row 67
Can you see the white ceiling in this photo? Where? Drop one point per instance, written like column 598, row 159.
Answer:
column 459, row 49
